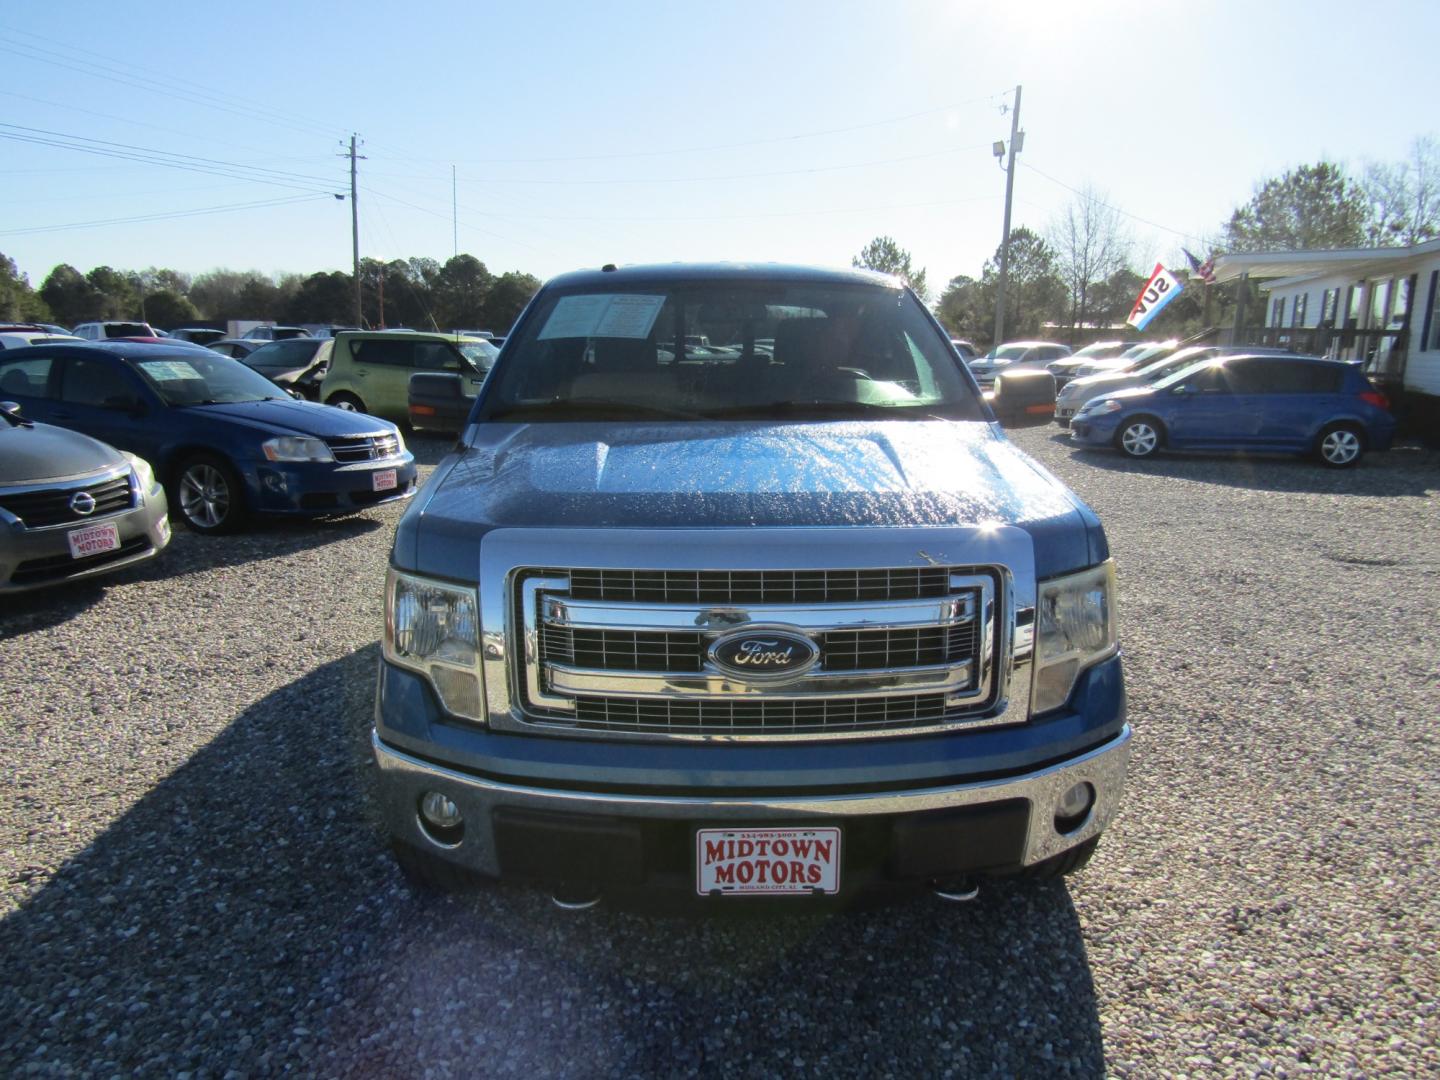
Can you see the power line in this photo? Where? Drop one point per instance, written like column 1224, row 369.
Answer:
column 770, row 174
column 72, row 59
column 820, row 133
column 184, row 162
column 263, row 203
column 1117, row 209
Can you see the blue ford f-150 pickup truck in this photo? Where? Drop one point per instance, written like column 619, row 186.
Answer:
column 782, row 613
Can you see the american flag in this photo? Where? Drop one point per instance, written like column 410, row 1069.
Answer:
column 1204, row 271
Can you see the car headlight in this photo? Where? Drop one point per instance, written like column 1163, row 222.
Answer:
column 434, row 628
column 144, row 474
column 1097, row 406
column 296, row 448
column 1074, row 630
column 399, row 442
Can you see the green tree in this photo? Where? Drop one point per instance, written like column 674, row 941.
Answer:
column 70, row 297
column 888, row 257
column 119, row 298
column 461, row 288
column 1313, row 207
column 18, row 301
column 1034, row 293
column 167, row 309
column 323, row 298
column 507, row 298
column 961, row 309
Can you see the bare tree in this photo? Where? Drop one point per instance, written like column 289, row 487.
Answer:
column 1404, row 196
column 1091, row 243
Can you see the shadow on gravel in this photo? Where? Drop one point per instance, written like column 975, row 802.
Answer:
column 188, row 553
column 1403, row 471
column 429, row 448
column 245, row 915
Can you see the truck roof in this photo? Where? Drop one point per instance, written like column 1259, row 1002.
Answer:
column 672, row 273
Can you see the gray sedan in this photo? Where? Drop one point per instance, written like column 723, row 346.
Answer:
column 72, row 507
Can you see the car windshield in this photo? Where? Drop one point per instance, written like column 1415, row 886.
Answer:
column 768, row 350
column 116, row 329
column 1007, row 352
column 1178, row 377
column 1185, row 358
column 480, row 353
column 202, row 378
column 1100, row 348
column 282, row 355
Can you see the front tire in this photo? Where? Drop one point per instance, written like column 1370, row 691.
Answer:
column 1340, row 446
column 1140, row 437
column 208, row 494
column 347, row 402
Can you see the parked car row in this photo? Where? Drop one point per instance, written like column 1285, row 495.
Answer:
column 225, row 442
column 1146, row 397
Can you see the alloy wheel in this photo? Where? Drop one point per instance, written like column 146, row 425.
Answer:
column 204, row 495
column 1340, row 447
column 1140, row 439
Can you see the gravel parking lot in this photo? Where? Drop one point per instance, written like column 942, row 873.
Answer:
column 194, row 883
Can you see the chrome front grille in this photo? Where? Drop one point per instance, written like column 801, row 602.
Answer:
column 759, row 586
column 630, row 651
column 363, row 448
column 41, row 508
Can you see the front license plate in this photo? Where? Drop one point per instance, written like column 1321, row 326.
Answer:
column 93, row 540
column 383, row 480
column 767, row 862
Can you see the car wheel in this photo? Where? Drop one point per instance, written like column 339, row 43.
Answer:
column 1140, row 437
column 208, row 494
column 1340, row 446
column 348, row 402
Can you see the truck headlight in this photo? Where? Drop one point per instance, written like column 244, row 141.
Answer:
column 296, row 448
column 1074, row 630
column 434, row 628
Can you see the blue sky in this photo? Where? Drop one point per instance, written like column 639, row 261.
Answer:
column 634, row 132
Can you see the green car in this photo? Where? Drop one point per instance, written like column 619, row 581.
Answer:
column 370, row 370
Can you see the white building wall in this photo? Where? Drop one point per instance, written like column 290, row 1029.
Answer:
column 1422, row 368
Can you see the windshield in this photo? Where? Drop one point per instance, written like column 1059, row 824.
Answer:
column 480, row 353
column 1185, row 358
column 203, row 378
column 1100, row 348
column 757, row 350
column 1177, row 377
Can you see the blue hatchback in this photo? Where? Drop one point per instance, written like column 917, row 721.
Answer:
column 225, row 440
column 1281, row 404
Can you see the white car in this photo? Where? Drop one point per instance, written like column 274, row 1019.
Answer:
column 99, row 331
column 19, row 339
column 1015, row 354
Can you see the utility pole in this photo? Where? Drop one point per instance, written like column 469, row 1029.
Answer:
column 454, row 214
column 1016, row 141
column 355, row 229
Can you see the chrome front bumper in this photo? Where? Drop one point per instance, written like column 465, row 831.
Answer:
column 404, row 779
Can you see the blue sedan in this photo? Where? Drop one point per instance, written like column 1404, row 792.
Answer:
column 1283, row 404
column 226, row 441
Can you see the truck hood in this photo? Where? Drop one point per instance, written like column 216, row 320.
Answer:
column 739, row 474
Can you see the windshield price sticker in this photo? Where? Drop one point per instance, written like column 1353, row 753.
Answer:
column 93, row 540
column 767, row 862
column 383, row 480
column 614, row 315
column 169, row 370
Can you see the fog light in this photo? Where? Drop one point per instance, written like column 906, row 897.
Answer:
column 1074, row 806
column 439, row 811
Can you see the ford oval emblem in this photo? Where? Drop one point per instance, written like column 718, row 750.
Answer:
column 758, row 652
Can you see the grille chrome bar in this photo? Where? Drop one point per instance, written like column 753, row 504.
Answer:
column 952, row 679
column 817, row 617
